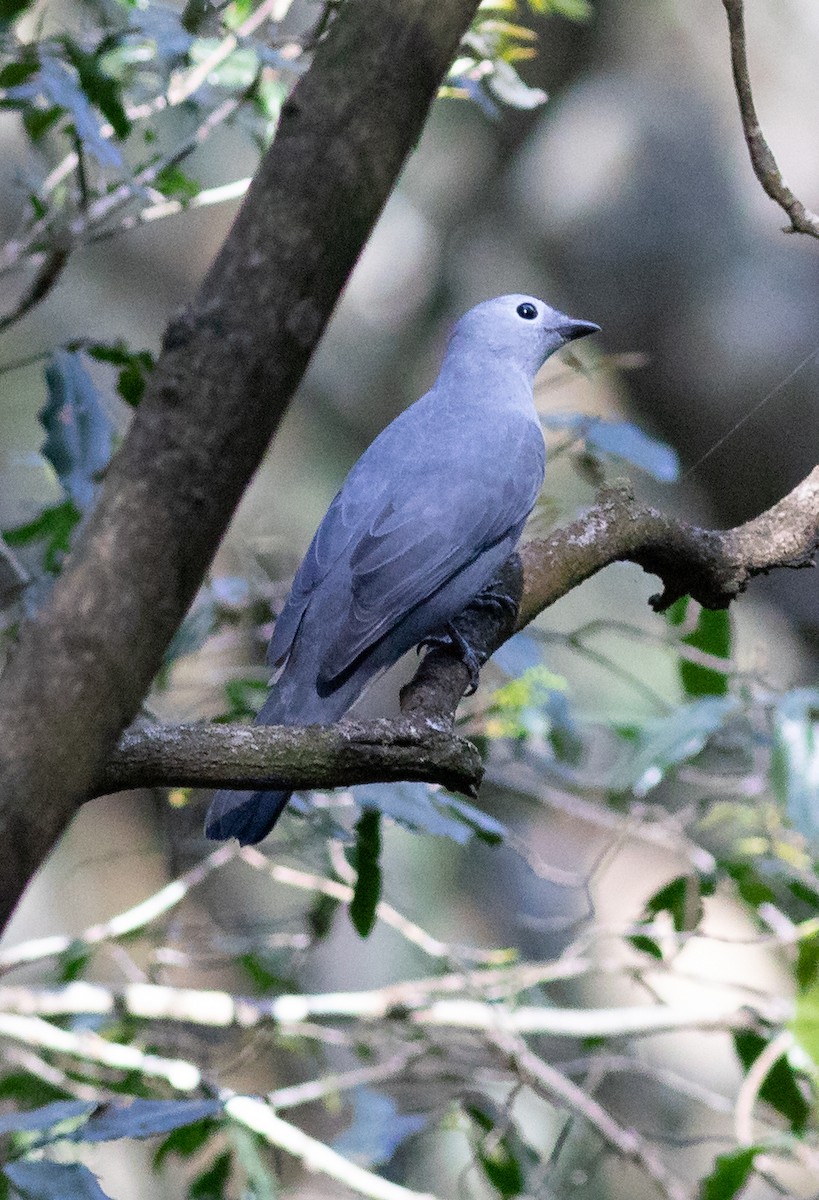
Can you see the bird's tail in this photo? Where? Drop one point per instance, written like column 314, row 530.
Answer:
column 250, row 816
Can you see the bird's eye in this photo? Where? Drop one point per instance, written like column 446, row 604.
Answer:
column 527, row 311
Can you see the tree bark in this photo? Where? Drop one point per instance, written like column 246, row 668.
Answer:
column 229, row 366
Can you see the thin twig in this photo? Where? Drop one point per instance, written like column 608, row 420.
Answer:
column 142, row 914
column 291, row 877
column 765, row 165
column 548, row 1081
column 316, row 1156
column 753, row 1083
column 407, row 1001
column 184, row 1076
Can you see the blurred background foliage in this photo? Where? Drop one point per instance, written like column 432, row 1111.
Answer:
column 646, row 835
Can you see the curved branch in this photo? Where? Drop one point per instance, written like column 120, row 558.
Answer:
column 316, row 756
column 713, row 566
column 765, row 165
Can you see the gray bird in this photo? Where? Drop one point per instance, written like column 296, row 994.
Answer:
column 422, row 523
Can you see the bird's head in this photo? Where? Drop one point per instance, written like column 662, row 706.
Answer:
column 521, row 328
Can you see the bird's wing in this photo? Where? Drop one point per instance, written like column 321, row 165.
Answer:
column 329, row 542
column 423, row 538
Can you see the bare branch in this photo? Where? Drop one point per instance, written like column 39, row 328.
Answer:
column 765, row 165
column 551, row 1083
column 714, row 566
column 317, row 756
column 411, row 1001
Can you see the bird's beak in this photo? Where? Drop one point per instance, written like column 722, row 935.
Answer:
column 572, row 329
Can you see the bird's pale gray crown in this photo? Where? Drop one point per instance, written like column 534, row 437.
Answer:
column 517, row 329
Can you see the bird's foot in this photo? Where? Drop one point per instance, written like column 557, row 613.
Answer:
column 498, row 600
column 454, row 640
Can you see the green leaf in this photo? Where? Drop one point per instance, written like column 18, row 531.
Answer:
column 259, row 971
column 505, row 1159
column 186, row 1140
column 320, row 915
column 54, row 526
column 211, row 1184
column 100, row 88
column 15, row 73
column 645, row 944
column 805, row 1023
column 807, row 962
column 10, row 10
column 176, row 185
column 260, row 1183
column 712, row 634
column 364, row 858
column 678, row 611
column 751, row 887
column 572, row 10
column 244, row 698
column 730, row 1174
column 72, row 962
column 37, row 121
column 781, row 1089
column 136, row 366
column 681, row 899
column 28, row 1090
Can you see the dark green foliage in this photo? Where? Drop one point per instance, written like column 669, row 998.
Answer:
column 210, row 1185
column 781, row 1088
column 364, row 857
column 711, row 634
column 10, row 10
column 320, row 916
column 176, row 185
column 134, row 367
column 730, row 1174
column 506, row 1159
column 72, row 962
column 53, row 527
column 185, row 1140
column 100, row 88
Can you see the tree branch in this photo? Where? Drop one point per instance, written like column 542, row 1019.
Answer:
column 765, row 165
column 317, row 756
column 713, row 566
column 229, row 366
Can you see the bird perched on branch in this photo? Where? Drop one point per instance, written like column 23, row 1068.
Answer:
column 424, row 520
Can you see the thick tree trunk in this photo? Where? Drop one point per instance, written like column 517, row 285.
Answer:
column 229, row 366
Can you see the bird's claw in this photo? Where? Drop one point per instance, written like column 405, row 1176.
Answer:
column 501, row 602
column 454, row 640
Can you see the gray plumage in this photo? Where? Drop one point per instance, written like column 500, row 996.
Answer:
column 422, row 523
